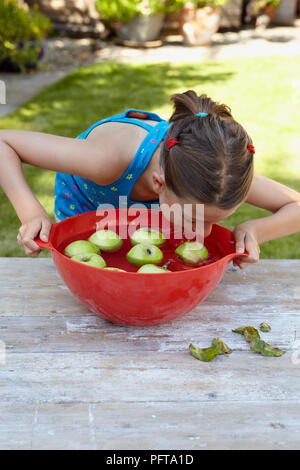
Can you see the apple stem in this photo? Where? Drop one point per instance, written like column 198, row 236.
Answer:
column 165, row 266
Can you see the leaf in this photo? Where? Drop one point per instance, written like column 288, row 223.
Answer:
column 261, row 347
column 256, row 344
column 264, row 327
column 204, row 354
column 220, row 346
column 250, row 331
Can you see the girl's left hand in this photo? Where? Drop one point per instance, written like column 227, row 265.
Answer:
column 246, row 240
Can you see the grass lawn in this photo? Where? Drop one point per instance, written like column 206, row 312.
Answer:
column 263, row 94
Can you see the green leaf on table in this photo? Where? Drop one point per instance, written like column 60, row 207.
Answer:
column 253, row 332
column 204, row 354
column 221, row 346
column 264, row 327
column 256, row 343
column 208, row 354
column 261, row 347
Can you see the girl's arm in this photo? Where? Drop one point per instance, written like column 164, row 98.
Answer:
column 275, row 197
column 74, row 156
column 283, row 202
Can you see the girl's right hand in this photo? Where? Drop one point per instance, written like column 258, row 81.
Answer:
column 38, row 226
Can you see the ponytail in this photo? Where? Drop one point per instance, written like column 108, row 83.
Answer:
column 211, row 161
column 188, row 104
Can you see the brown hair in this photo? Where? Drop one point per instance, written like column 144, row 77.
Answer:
column 211, row 162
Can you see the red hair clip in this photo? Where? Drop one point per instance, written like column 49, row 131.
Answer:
column 171, row 143
column 251, row 148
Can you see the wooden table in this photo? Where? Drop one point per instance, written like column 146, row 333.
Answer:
column 71, row 380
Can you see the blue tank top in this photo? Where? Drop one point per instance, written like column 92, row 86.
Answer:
column 75, row 194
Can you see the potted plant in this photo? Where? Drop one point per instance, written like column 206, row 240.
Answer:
column 199, row 20
column 136, row 20
column 263, row 11
column 21, row 31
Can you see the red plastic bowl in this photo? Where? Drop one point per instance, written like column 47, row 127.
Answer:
column 134, row 298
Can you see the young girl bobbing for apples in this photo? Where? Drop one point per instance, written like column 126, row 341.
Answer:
column 200, row 156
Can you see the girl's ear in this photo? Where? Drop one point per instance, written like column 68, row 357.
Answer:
column 158, row 181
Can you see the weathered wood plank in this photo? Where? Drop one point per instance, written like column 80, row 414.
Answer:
column 92, row 333
column 154, row 425
column 157, row 426
column 165, row 377
column 38, row 426
column 34, row 287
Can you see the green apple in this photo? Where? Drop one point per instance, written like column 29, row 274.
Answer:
column 147, row 235
column 144, row 253
column 152, row 268
column 192, row 252
column 91, row 259
column 106, row 240
column 80, row 247
column 115, row 269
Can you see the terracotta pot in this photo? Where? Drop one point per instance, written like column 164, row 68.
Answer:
column 266, row 17
column 198, row 26
column 270, row 11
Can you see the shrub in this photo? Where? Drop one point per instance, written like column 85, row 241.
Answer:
column 259, row 5
column 112, row 11
column 205, row 3
column 20, row 34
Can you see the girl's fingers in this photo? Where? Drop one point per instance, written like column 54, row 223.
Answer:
column 41, row 226
column 245, row 261
column 28, row 244
column 239, row 241
column 22, row 230
column 46, row 227
column 253, row 250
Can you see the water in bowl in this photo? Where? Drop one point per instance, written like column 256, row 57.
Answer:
column 118, row 258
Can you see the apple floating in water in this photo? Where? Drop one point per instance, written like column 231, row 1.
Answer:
column 152, row 268
column 192, row 252
column 115, row 269
column 144, row 253
column 80, row 247
column 147, row 235
column 91, row 259
column 106, row 240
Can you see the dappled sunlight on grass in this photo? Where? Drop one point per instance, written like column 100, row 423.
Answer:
column 90, row 94
column 260, row 91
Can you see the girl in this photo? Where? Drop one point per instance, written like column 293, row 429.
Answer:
column 202, row 155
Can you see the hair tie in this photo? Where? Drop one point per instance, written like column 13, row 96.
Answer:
column 171, row 143
column 201, row 114
column 251, row 148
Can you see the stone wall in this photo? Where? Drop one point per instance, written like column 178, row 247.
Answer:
column 72, row 17
column 231, row 18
